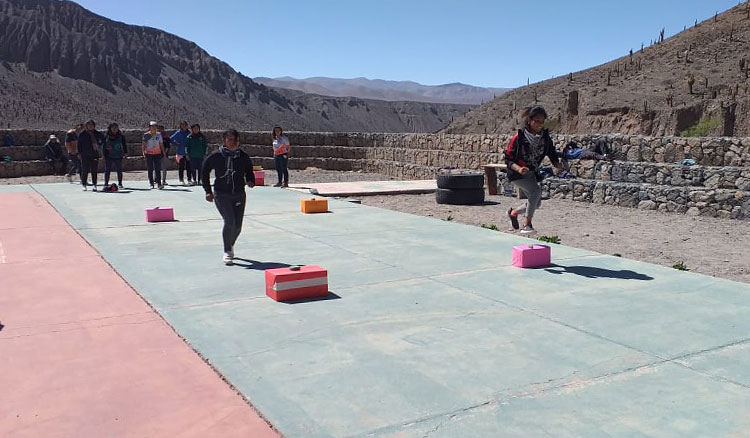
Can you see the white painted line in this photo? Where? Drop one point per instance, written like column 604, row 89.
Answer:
column 2, row 254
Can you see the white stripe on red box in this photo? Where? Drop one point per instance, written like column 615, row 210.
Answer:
column 298, row 284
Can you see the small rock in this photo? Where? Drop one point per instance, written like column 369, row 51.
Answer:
column 611, row 232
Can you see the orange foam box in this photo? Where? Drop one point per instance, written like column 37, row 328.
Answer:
column 297, row 283
column 159, row 214
column 260, row 177
column 314, row 205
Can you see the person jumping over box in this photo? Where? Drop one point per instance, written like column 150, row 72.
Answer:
column 233, row 169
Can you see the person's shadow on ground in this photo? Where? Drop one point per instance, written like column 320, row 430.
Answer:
column 258, row 265
column 593, row 272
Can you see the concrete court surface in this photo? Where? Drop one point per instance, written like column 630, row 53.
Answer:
column 429, row 330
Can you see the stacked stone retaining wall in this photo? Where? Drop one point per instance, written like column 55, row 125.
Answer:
column 648, row 172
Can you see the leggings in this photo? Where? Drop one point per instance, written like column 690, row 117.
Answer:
column 153, row 164
column 530, row 187
column 109, row 165
column 75, row 167
column 232, row 210
column 281, row 163
column 183, row 166
column 196, row 168
column 91, row 165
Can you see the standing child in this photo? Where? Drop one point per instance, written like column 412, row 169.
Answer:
column 196, row 146
column 153, row 150
column 179, row 139
column 166, row 142
column 114, row 150
column 89, row 142
column 281, row 156
column 71, row 147
column 233, row 170
column 524, row 155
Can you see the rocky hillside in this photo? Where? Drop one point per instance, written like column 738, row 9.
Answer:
column 388, row 90
column 698, row 78
column 60, row 63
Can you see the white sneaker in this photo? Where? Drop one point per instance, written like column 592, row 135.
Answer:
column 528, row 229
column 228, row 258
column 85, row 188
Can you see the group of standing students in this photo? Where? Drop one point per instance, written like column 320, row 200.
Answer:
column 85, row 146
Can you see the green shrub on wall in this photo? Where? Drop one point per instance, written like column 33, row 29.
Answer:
column 702, row 128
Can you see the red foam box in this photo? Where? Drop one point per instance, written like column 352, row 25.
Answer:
column 531, row 256
column 297, row 283
column 260, row 177
column 159, row 214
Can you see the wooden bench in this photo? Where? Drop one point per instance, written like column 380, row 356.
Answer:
column 490, row 173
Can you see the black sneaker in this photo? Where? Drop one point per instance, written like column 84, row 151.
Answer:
column 513, row 219
column 278, row 184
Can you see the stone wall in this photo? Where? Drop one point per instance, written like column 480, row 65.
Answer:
column 646, row 174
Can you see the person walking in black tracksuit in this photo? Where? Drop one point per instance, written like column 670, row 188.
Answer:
column 233, row 170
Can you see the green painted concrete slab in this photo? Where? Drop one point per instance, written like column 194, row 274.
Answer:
column 652, row 309
column 429, row 330
column 728, row 363
column 387, row 354
column 666, row 401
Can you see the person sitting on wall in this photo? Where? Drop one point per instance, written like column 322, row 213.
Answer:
column 55, row 156
column 8, row 140
column 572, row 151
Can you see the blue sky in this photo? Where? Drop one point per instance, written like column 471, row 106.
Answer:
column 479, row 42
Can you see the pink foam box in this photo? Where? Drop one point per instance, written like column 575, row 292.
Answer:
column 260, row 177
column 159, row 214
column 531, row 256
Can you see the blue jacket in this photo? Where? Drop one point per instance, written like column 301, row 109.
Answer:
column 180, row 139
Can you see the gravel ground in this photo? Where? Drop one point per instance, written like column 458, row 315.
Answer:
column 717, row 247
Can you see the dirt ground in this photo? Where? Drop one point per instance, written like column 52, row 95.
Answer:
column 711, row 246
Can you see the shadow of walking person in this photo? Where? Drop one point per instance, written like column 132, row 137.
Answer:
column 594, row 272
column 257, row 265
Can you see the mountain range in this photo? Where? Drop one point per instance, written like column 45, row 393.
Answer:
column 387, row 90
column 694, row 83
column 60, row 64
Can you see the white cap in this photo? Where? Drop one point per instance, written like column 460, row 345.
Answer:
column 53, row 137
column 152, row 123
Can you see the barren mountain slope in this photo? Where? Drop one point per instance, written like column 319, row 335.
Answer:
column 62, row 63
column 647, row 93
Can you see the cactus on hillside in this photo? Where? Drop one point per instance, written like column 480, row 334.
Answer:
column 690, row 81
